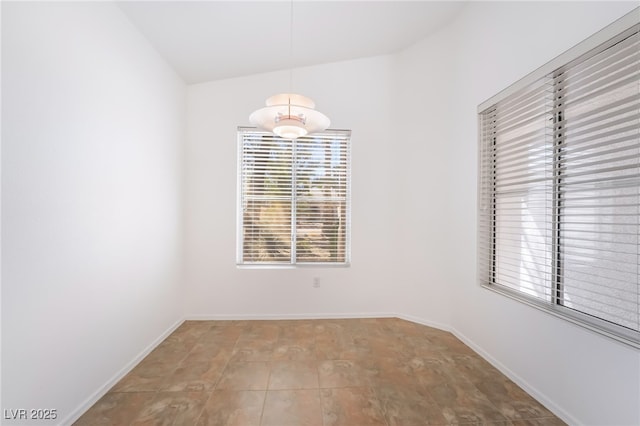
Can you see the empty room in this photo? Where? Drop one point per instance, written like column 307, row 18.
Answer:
column 327, row 213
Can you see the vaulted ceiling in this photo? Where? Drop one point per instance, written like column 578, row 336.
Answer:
column 212, row 40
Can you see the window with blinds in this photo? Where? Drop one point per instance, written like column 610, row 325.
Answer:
column 294, row 198
column 559, row 188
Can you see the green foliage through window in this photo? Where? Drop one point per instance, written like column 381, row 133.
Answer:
column 294, row 198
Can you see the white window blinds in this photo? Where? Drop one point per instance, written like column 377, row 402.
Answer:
column 559, row 190
column 294, row 199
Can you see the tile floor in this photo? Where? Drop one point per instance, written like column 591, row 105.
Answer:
column 352, row 372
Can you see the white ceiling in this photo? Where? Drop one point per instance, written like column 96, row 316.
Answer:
column 211, row 40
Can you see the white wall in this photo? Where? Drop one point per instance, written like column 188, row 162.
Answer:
column 584, row 377
column 355, row 95
column 413, row 116
column 92, row 191
column 421, row 113
column 92, row 131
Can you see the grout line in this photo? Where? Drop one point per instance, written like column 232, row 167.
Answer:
column 383, row 411
column 226, row 364
column 320, row 397
column 266, row 387
column 76, row 413
column 203, row 407
column 264, row 400
column 371, row 384
column 214, row 386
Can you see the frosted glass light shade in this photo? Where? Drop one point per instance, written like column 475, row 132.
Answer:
column 290, row 116
column 289, row 129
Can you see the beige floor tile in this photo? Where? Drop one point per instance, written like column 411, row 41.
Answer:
column 199, row 371
column 295, row 349
column 351, row 406
column 245, row 376
column 409, row 407
column 116, row 409
column 464, row 403
column 233, row 408
column 293, row 375
column 252, row 350
column 342, row 373
column 261, row 330
column 221, row 335
column 512, row 401
column 354, row 372
column 172, row 408
column 292, row 408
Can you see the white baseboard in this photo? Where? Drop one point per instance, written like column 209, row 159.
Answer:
column 535, row 393
column 209, row 317
column 88, row 403
column 421, row 321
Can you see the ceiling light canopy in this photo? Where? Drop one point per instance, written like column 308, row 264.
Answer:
column 290, row 116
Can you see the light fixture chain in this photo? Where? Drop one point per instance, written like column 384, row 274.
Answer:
column 273, row 119
column 291, row 47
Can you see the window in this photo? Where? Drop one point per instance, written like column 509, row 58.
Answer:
column 294, row 199
column 559, row 186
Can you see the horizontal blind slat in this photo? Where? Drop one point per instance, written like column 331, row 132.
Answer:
column 319, row 166
column 561, row 158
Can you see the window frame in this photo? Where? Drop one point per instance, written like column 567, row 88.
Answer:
column 293, row 263
column 602, row 40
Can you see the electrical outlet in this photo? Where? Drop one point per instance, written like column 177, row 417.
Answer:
column 316, row 282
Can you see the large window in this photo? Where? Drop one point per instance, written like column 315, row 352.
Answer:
column 559, row 186
column 294, row 199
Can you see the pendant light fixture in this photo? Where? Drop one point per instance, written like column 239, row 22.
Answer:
column 289, row 115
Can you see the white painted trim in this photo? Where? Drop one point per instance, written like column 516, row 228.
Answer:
column 534, row 392
column 102, row 390
column 612, row 30
column 227, row 317
column 275, row 317
column 421, row 321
